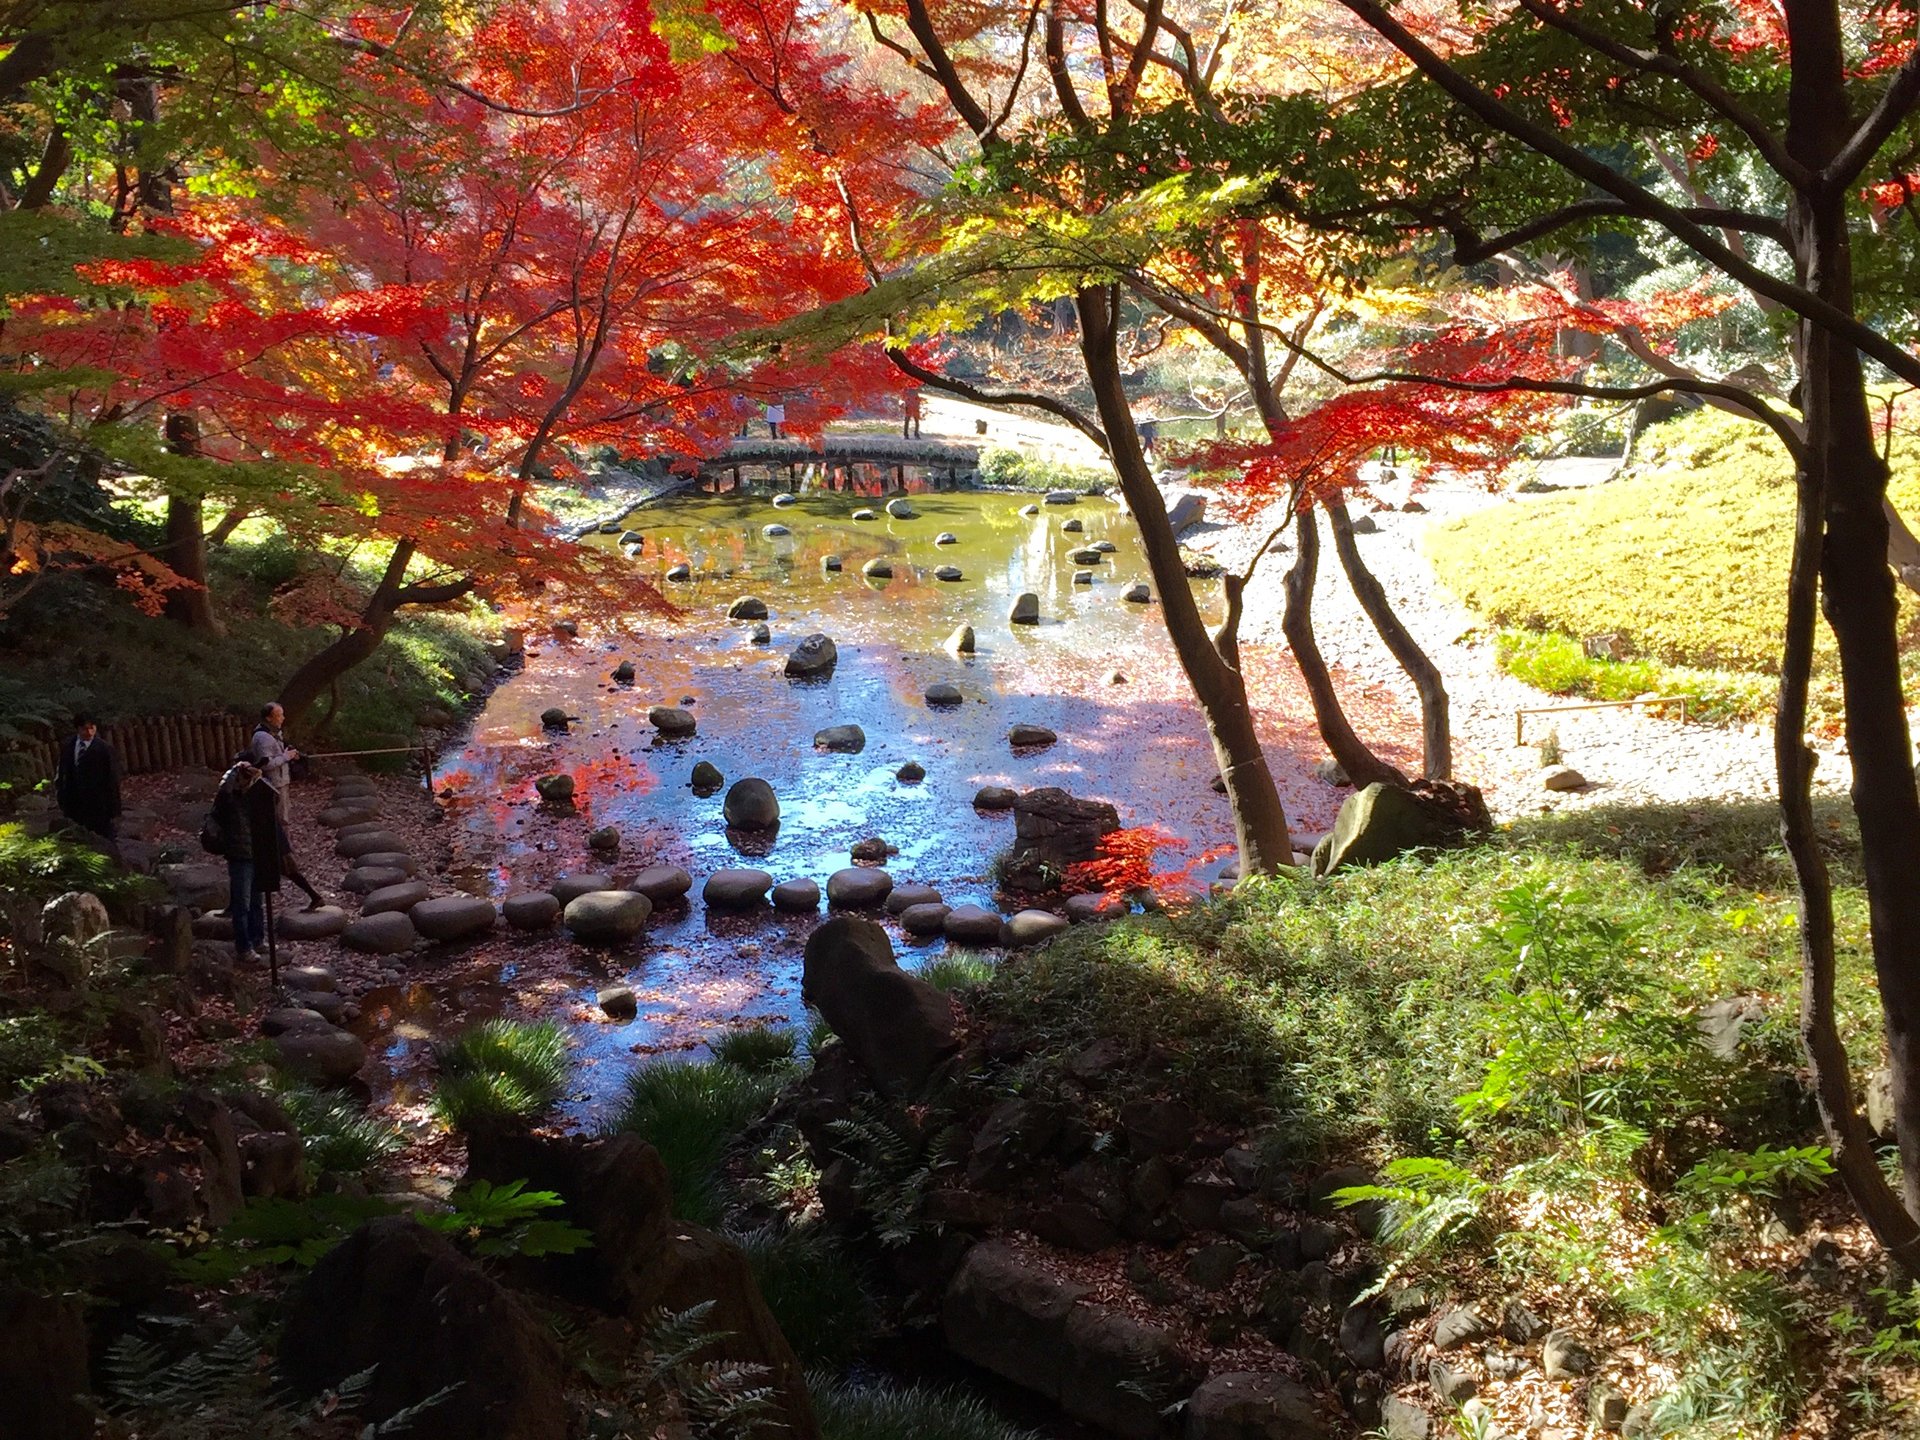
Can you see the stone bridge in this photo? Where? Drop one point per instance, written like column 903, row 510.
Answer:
column 847, row 461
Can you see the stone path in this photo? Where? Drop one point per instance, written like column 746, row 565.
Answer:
column 1627, row 756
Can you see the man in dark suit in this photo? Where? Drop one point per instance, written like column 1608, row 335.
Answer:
column 86, row 780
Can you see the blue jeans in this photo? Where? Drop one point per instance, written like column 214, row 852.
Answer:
column 248, row 910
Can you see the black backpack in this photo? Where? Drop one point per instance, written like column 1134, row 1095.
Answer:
column 212, row 839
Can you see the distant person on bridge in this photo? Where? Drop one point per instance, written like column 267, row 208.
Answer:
column 776, row 417
column 1149, row 434
column 910, row 426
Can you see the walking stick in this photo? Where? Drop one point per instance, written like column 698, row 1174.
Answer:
column 273, row 955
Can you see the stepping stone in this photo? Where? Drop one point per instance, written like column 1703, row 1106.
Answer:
column 960, row 642
column 736, row 889
column 783, row 499
column 623, row 673
column 751, row 805
column 371, row 878
column 911, row 773
column 324, row 1055
column 747, row 607
column 333, row 1008
column 706, row 778
column 359, row 828
column 944, row 694
column 796, row 895
column 1138, row 594
column 388, row 934
column 815, row 655
column 994, row 797
column 531, row 909
column 214, row 925
column 974, row 925
column 604, row 841
column 831, row 562
column 1030, row 736
column 1029, row 510
column 555, row 789
column 308, row 977
column 679, row 573
column 349, row 786
column 858, row 887
column 927, row 919
column 1088, row 556
column 841, row 739
column 290, row 1018
column 946, row 537
column 604, row 917
column 1032, row 927
column 322, row 924
column 631, row 537
column 948, row 572
column 618, row 1002
column 404, row 896
column 569, row 888
column 760, row 635
column 1026, row 609
column 902, row 510
column 864, row 514
column 877, row 569
column 342, row 814
column 774, row 532
column 453, row 917
column 1072, row 527
column 1063, row 497
column 662, row 884
column 1083, row 577
column 905, row 897
column 1105, row 547
column 386, row 860
column 672, row 722
column 365, row 842
column 1087, row 909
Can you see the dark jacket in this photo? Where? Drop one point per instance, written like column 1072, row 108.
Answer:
column 233, row 818
column 88, row 790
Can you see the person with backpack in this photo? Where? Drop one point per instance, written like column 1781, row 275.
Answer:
column 232, row 830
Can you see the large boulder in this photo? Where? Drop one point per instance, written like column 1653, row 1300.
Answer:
column 747, row 607
column 43, row 1366
column 858, row 887
column 1255, row 1406
column 78, row 915
column 1053, row 830
column 453, row 917
column 751, row 805
column 812, row 657
column 1185, row 511
column 897, row 1026
column 605, row 917
column 642, row 1260
column 736, row 889
column 1380, row 822
column 902, row 509
column 320, row 1053
column 1046, row 1334
column 397, row 1300
column 1026, row 609
column 388, row 934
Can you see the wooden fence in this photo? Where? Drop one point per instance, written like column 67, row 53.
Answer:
column 153, row 742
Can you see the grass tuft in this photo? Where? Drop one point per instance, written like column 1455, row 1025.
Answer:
column 815, row 1290
column 947, row 973
column 896, row 1412
column 500, row 1072
column 338, row 1136
column 690, row 1113
column 757, row 1049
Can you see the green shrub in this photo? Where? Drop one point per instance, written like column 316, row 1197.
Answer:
column 759, row 1049
column 34, row 869
column 897, row 1412
column 814, row 1290
column 690, row 1112
column 1559, row 665
column 500, row 1072
column 1009, row 468
column 30, row 1046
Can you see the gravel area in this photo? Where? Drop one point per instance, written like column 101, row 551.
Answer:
column 1631, row 756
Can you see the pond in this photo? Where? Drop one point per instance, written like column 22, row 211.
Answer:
column 1137, row 742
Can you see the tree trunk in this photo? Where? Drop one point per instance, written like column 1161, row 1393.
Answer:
column 1846, row 474
column 185, row 550
column 1435, row 730
column 1259, row 820
column 1363, row 767
column 324, row 669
